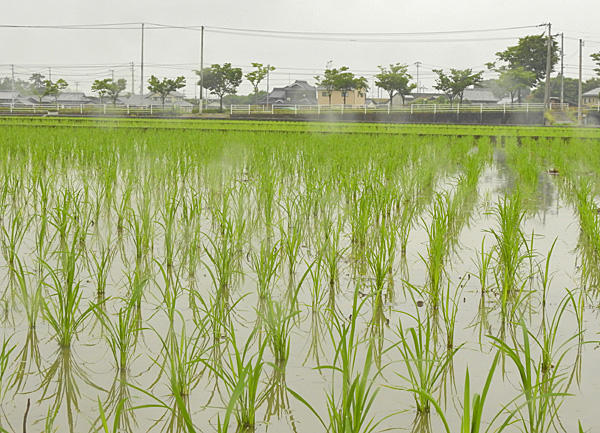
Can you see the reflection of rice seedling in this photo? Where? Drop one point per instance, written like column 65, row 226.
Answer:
column 7, row 349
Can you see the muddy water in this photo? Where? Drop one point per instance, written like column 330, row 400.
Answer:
column 64, row 386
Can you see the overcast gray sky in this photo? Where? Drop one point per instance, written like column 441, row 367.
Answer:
column 81, row 56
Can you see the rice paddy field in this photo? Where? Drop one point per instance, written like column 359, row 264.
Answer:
column 202, row 276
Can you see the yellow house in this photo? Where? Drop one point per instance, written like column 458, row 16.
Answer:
column 353, row 97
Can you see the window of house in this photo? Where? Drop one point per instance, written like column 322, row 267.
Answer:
column 324, row 94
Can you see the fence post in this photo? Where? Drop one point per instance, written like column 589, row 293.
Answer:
column 458, row 108
column 104, row 108
column 411, row 108
column 295, row 109
column 150, row 108
column 481, row 108
column 527, row 108
column 319, row 109
column 434, row 108
column 388, row 108
column 128, row 109
column 365, row 108
column 504, row 108
column 342, row 109
column 33, row 108
column 80, row 108
column 11, row 107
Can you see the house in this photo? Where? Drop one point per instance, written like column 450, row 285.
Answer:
column 68, row 99
column 479, row 95
column 7, row 97
column 591, row 97
column 297, row 93
column 174, row 100
column 353, row 97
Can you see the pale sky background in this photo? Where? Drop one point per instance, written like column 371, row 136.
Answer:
column 81, row 56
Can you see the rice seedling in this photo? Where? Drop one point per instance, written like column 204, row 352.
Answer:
column 102, row 262
column 511, row 247
column 348, row 409
column 121, row 335
column 542, row 389
column 424, row 365
column 472, row 405
column 265, row 265
column 61, row 308
column 241, row 375
column 30, row 294
column 12, row 239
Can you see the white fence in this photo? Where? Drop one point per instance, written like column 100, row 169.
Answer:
column 414, row 108
column 51, row 109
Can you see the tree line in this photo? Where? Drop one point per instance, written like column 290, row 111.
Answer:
column 521, row 70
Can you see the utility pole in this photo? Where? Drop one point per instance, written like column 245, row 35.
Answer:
column 50, row 74
column 132, row 79
column 12, row 84
column 562, row 70
column 418, row 65
column 76, row 86
column 580, row 85
column 112, row 73
column 201, row 68
column 548, row 68
column 142, row 65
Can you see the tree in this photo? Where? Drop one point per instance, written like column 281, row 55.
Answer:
column 221, row 80
column 514, row 81
column 454, row 85
column 571, row 90
column 21, row 86
column 395, row 81
column 49, row 88
column 110, row 87
column 342, row 80
column 530, row 54
column 164, row 87
column 328, row 80
column 256, row 76
column 346, row 81
column 36, row 83
column 596, row 58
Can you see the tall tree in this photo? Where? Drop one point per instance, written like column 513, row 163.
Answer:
column 166, row 86
column 221, row 80
column 454, row 84
column 260, row 73
column 596, row 58
column 328, row 81
column 36, row 83
column 515, row 81
column 395, row 81
column 109, row 87
column 345, row 81
column 49, row 88
column 530, row 54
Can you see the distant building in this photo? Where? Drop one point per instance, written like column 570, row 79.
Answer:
column 297, row 93
column 174, row 100
column 353, row 97
column 592, row 97
column 68, row 99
